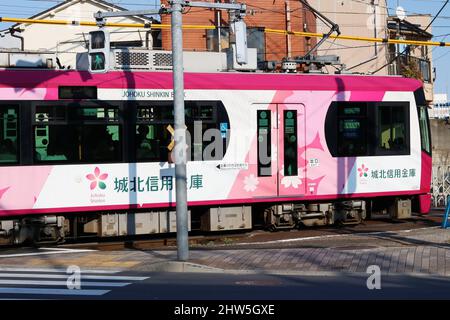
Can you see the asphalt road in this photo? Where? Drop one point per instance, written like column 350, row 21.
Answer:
column 281, row 287
column 211, row 287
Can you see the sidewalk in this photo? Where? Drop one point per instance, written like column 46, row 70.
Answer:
column 420, row 251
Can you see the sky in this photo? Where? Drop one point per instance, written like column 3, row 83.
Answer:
column 440, row 28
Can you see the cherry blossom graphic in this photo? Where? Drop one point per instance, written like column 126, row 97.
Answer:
column 251, row 183
column 290, row 181
column 97, row 178
column 3, row 191
column 363, row 171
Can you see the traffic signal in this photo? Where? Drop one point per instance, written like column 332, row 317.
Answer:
column 99, row 54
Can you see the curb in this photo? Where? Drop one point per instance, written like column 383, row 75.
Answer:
column 177, row 266
column 187, row 267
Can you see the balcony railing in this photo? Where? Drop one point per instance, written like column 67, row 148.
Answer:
column 412, row 67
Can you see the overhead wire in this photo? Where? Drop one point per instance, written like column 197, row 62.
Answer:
column 212, row 27
column 428, row 26
column 267, row 30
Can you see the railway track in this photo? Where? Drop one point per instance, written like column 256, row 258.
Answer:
column 256, row 237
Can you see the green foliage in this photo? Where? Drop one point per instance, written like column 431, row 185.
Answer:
column 411, row 70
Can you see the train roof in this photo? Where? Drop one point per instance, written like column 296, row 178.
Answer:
column 206, row 81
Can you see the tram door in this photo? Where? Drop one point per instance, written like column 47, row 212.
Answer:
column 291, row 150
column 281, row 138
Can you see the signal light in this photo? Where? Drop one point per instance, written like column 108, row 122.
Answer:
column 97, row 61
column 99, row 51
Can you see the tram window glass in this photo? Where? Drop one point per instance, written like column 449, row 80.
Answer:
column 352, row 119
column 9, row 134
column 392, row 130
column 290, row 143
column 424, row 129
column 153, row 142
column 50, row 113
column 155, row 126
column 104, row 114
column 77, row 134
column 264, row 143
column 104, row 148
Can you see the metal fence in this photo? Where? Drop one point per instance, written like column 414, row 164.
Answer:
column 423, row 66
column 440, row 186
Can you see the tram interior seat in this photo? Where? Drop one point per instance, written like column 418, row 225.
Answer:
column 52, row 153
column 7, row 151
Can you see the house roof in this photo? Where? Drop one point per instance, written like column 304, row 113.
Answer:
column 406, row 26
column 102, row 3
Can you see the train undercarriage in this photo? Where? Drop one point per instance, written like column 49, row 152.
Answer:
column 281, row 216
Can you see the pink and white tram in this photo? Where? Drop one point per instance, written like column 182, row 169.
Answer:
column 92, row 151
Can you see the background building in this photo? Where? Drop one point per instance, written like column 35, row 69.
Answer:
column 68, row 40
column 356, row 18
column 274, row 14
column 410, row 60
column 441, row 107
column 371, row 19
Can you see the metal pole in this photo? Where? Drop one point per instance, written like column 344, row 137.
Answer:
column 179, row 150
column 219, row 25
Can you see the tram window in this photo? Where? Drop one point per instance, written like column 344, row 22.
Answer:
column 50, row 113
column 205, row 113
column 352, row 129
column 109, row 114
column 152, row 142
column 264, row 143
column 392, row 130
column 155, row 126
column 105, row 147
column 86, row 135
column 424, row 129
column 160, row 112
column 290, row 143
column 9, row 134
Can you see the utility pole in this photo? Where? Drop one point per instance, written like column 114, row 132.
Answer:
column 180, row 132
column 237, row 12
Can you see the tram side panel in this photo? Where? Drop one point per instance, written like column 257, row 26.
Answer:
column 325, row 171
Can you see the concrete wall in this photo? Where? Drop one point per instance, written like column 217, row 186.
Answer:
column 440, row 133
column 355, row 18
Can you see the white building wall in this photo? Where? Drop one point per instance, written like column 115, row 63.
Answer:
column 68, row 40
column 355, row 19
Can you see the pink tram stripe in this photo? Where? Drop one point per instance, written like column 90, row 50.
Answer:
column 425, row 183
column 32, row 79
column 425, row 179
column 203, row 203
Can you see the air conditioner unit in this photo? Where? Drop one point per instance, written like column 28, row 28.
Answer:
column 158, row 60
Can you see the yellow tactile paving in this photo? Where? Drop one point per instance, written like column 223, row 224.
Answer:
column 103, row 259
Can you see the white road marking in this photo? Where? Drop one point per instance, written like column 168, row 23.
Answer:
column 63, row 276
column 22, row 281
column 66, row 249
column 41, row 291
column 14, row 255
column 63, row 283
column 57, row 270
